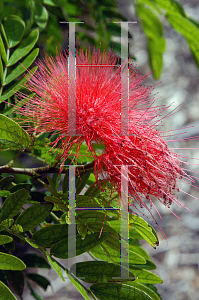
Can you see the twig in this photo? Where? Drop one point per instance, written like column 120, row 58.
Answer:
column 36, row 172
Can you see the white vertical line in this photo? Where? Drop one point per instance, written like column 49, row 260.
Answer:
column 72, row 221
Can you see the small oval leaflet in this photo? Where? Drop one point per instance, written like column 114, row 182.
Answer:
column 12, row 134
column 10, row 262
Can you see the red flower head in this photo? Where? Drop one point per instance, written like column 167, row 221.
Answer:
column 153, row 168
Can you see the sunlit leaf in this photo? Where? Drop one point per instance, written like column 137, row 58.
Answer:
column 3, row 51
column 55, row 266
column 21, row 68
column 24, row 47
column 6, row 293
column 16, row 87
column 153, row 29
column 10, row 262
column 189, row 30
column 145, row 230
column 1, row 71
column 12, row 134
column 14, row 29
column 4, row 239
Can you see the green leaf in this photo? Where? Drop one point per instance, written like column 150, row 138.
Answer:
column 4, row 193
column 4, row 239
column 136, row 247
column 65, row 184
column 111, row 255
column 189, row 30
column 156, row 48
column 41, row 16
column 171, row 6
column 112, row 291
column 60, row 249
column 17, row 228
column 19, row 104
column 6, row 224
column 17, row 86
column 40, row 280
column 96, row 227
column 10, row 262
column 144, row 289
column 144, row 276
column 58, row 202
column 14, row 29
column 91, row 216
column 33, row 216
column 21, row 68
column 144, row 229
column 15, row 280
column 46, row 236
column 31, row 243
column 53, row 2
column 82, row 181
column 114, row 240
column 4, row 34
column 3, row 51
column 193, row 21
column 86, row 201
column 13, row 204
column 56, row 179
column 150, row 3
column 92, row 191
column 34, row 261
column 6, row 181
column 82, row 230
column 98, row 271
column 153, row 29
column 134, row 234
column 6, row 293
column 55, row 266
column 52, row 188
column 1, row 71
column 24, row 47
column 12, row 133
column 147, row 266
column 20, row 186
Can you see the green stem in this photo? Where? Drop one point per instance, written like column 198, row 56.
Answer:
column 55, row 217
column 60, row 265
column 5, row 71
column 74, row 277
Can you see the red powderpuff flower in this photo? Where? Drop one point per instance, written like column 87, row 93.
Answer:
column 153, row 169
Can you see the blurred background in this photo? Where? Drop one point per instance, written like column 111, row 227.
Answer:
column 177, row 258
